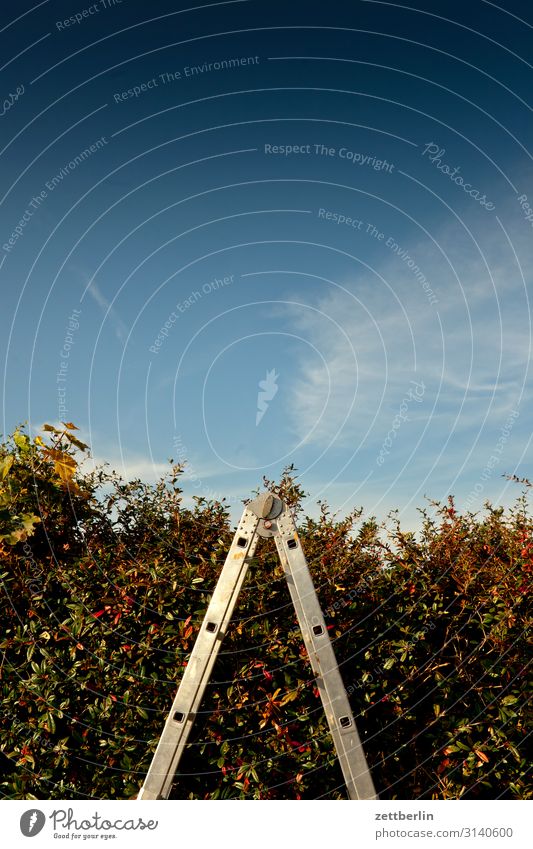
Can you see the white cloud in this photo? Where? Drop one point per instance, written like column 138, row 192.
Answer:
column 471, row 349
column 128, row 467
column 120, row 328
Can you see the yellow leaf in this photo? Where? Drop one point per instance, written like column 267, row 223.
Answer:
column 65, row 467
column 38, row 440
column 481, row 755
column 289, row 697
column 77, row 442
column 6, row 464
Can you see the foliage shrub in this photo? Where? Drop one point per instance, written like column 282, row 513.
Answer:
column 105, row 584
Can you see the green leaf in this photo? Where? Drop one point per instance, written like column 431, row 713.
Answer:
column 23, row 527
column 21, row 441
column 28, row 521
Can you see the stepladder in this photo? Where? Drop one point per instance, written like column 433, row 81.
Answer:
column 267, row 516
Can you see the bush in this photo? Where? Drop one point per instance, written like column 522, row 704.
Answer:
column 105, row 584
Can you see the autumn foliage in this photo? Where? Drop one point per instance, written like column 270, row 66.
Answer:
column 105, row 583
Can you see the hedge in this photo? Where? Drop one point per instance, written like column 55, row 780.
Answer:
column 105, row 584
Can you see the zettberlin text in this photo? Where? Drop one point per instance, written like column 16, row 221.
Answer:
column 399, row 815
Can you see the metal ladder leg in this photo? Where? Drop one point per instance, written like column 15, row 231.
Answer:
column 329, row 682
column 160, row 776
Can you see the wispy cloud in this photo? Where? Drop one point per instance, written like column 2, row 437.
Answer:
column 376, row 333
column 379, row 331
column 119, row 327
column 128, row 467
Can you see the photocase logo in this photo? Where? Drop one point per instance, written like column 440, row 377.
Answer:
column 267, row 390
column 32, row 822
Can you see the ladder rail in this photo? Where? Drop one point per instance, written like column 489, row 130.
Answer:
column 343, row 729
column 180, row 720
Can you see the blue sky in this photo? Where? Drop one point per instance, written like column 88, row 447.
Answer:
column 329, row 200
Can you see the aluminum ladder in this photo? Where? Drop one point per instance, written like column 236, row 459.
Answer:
column 265, row 516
